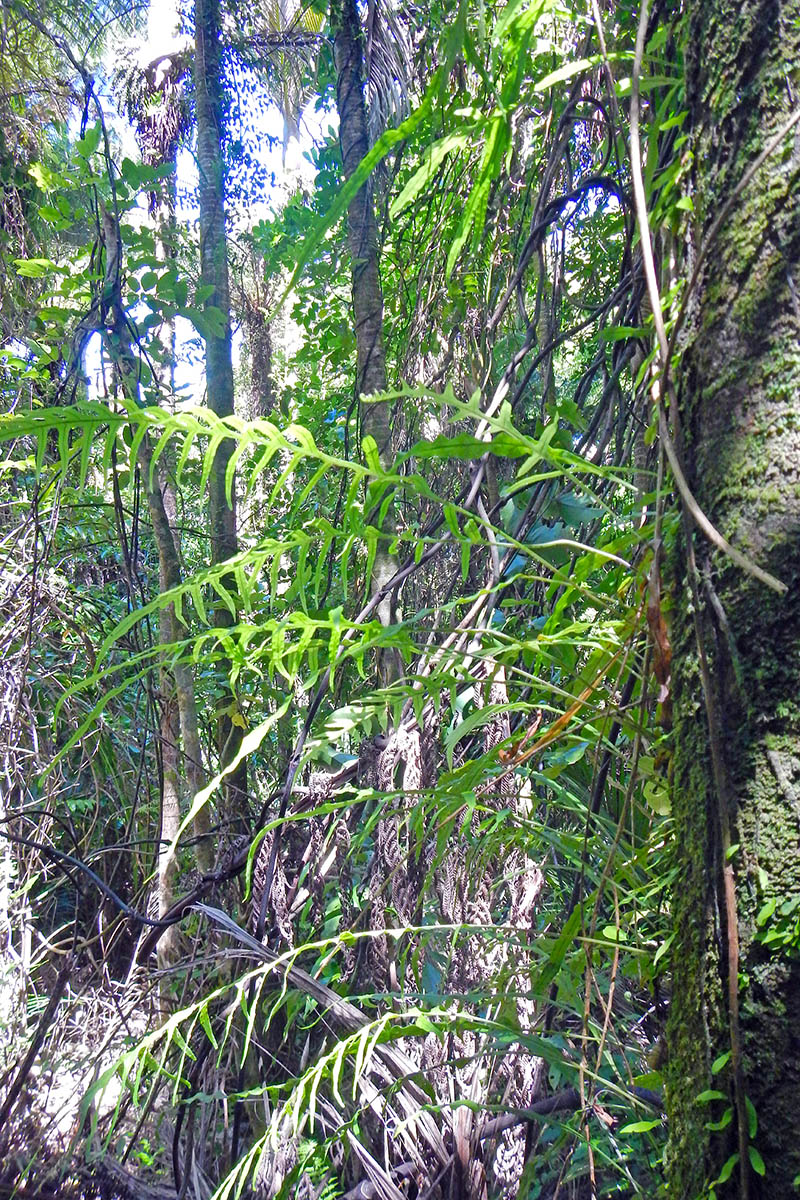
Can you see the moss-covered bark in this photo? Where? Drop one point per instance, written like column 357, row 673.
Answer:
column 739, row 385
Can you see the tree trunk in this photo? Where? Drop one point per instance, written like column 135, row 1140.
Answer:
column 178, row 718
column 169, row 824
column 362, row 238
column 219, row 363
column 178, row 709
column 737, row 643
column 159, row 146
column 170, row 573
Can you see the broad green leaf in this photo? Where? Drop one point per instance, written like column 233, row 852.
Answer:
column 34, row 268
column 87, row 145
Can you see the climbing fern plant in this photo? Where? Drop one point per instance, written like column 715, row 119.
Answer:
column 452, row 888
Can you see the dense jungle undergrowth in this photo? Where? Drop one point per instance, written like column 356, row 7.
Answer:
column 398, row 544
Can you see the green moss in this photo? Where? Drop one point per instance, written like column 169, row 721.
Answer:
column 690, row 1039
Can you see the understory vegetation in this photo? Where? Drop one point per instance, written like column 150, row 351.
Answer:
column 341, row 546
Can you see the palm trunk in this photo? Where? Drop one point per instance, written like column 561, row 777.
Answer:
column 219, row 364
column 736, row 984
column 362, row 237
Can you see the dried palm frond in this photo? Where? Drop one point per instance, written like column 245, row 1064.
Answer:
column 387, row 1069
column 150, row 81
column 387, row 55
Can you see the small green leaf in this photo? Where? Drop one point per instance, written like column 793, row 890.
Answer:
column 651, row 1079
column 209, row 322
column 427, row 1024
column 48, row 213
column 369, row 448
column 656, row 793
column 46, row 178
column 640, row 1127
column 206, row 1023
column 87, row 145
column 727, row 1170
column 722, row 1123
column 671, row 122
column 756, row 1161
column 33, row 268
column 752, row 1117
column 131, row 173
column 720, row 1062
column 465, row 555
column 622, row 333
column 570, row 71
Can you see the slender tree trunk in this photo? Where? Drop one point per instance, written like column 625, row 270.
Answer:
column 164, row 39
column 177, row 686
column 736, row 963
column 362, row 230
column 253, row 302
column 169, row 942
column 362, row 237
column 163, row 505
column 185, row 697
column 178, row 719
column 219, row 363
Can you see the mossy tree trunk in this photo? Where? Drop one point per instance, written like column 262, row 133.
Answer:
column 737, row 733
column 209, row 111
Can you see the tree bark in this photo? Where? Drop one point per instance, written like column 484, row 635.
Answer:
column 170, row 822
column 362, row 229
column 163, row 36
column 362, row 239
column 178, row 720
column 178, row 708
column 736, row 650
column 219, row 363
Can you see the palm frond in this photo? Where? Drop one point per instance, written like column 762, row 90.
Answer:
column 387, row 53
